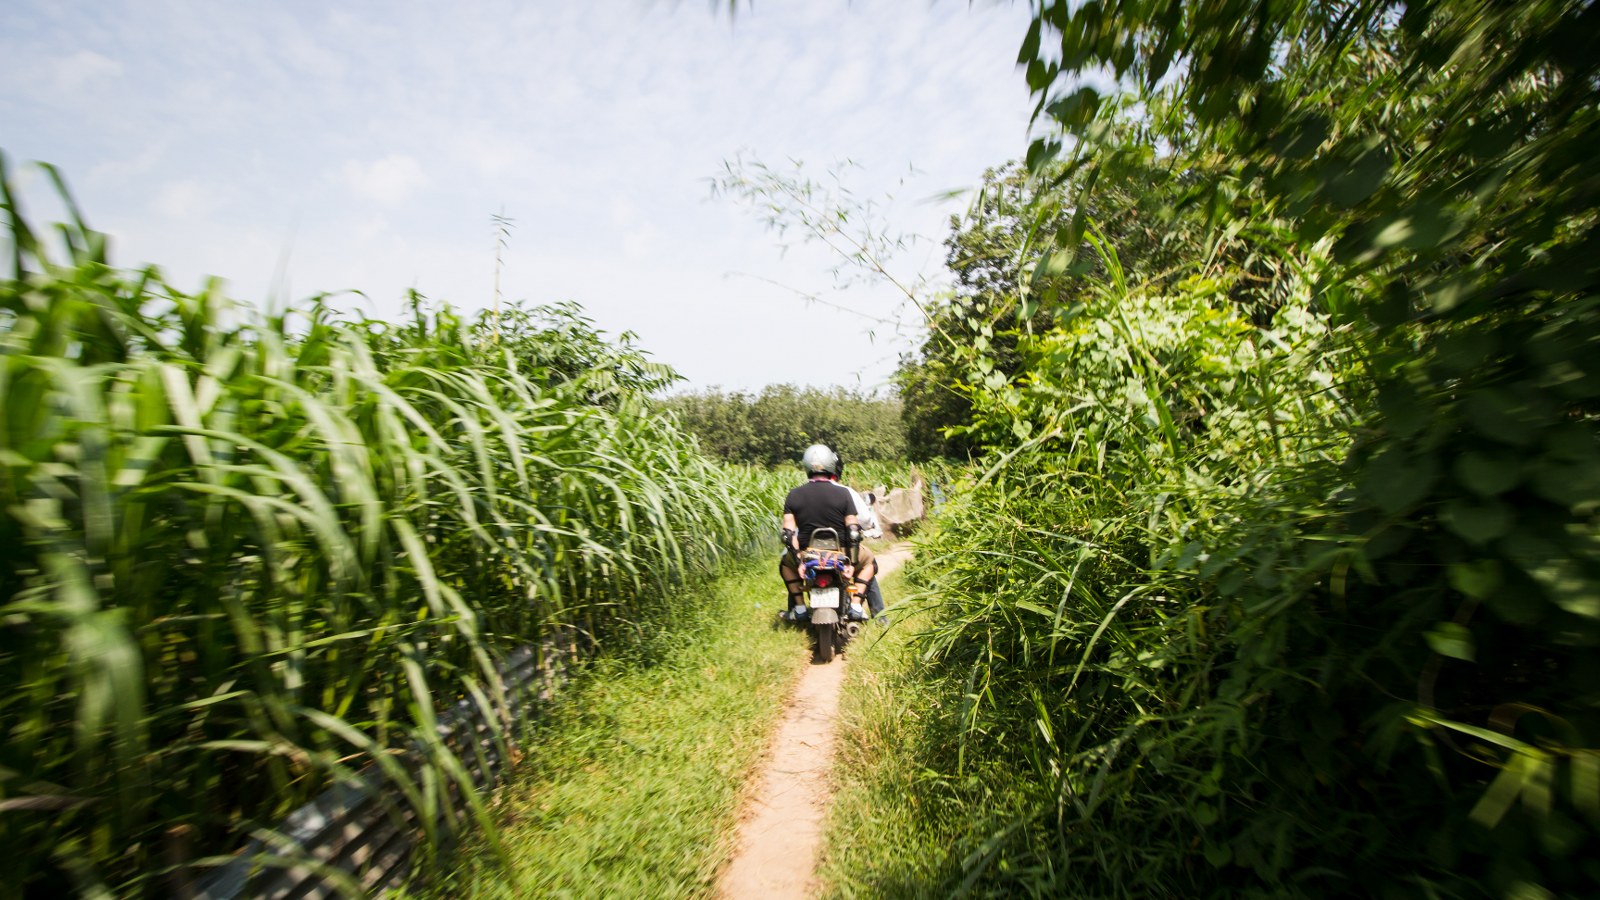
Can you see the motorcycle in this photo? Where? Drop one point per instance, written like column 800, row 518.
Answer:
column 829, row 607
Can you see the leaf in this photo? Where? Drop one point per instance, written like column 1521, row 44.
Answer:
column 1076, row 110
column 1565, row 582
column 1349, row 184
column 1486, row 475
column 1030, row 44
column 1586, row 784
column 1036, row 608
column 1191, row 551
column 1503, row 791
column 1452, row 639
column 1477, row 579
column 1393, row 232
column 1499, row 415
column 1478, row 522
column 1040, row 153
column 1394, row 481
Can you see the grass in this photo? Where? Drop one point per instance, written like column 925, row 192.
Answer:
column 899, row 828
column 632, row 787
column 244, row 556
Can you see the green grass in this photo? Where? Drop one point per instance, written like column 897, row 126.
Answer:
column 899, row 828
column 244, row 556
column 632, row 786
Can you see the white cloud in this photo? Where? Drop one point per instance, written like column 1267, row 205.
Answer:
column 125, row 167
column 186, row 199
column 382, row 139
column 640, row 243
column 73, row 72
column 389, row 180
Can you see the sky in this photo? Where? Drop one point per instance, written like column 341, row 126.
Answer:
column 297, row 148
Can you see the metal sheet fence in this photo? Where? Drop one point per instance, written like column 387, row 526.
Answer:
column 356, row 839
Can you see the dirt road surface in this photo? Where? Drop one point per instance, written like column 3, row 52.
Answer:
column 780, row 827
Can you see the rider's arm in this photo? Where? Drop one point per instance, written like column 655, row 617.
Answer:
column 791, row 531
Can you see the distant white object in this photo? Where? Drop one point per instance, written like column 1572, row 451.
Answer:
column 902, row 509
column 865, row 516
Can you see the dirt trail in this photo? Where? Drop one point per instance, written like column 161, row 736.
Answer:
column 780, row 827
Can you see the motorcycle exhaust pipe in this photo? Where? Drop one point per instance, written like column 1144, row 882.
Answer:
column 853, row 629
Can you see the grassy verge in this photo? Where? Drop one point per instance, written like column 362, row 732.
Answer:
column 900, row 826
column 632, row 787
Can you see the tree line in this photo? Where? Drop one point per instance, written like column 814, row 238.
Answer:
column 771, row 427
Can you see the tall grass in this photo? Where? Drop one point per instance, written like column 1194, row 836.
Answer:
column 1095, row 592
column 1207, row 640
column 246, row 556
column 634, row 787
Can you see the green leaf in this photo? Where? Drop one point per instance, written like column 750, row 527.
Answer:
column 1452, row 639
column 1478, row 522
column 1567, row 483
column 1394, row 481
column 1487, row 475
column 1349, row 184
column 1075, row 110
column 1499, row 415
column 1038, row 75
column 1565, row 582
column 1030, row 44
column 1191, row 552
column 1477, row 579
column 1036, row 608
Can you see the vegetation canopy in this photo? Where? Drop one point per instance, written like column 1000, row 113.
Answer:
column 1280, row 574
column 772, row 427
column 248, row 557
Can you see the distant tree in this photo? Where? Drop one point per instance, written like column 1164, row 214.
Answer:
column 774, row 426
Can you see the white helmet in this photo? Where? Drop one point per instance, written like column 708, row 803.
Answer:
column 819, row 460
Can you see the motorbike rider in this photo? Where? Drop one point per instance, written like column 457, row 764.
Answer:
column 822, row 502
column 867, row 518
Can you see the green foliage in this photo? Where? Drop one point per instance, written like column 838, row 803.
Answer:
column 1027, row 254
column 772, row 427
column 1280, row 578
column 244, row 558
column 556, row 344
column 637, row 775
column 973, row 331
column 901, row 804
column 1168, row 447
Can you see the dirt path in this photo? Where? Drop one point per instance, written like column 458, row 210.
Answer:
column 780, row 827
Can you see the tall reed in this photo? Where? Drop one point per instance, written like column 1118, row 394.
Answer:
column 246, row 556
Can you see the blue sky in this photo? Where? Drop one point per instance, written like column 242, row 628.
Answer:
column 295, row 148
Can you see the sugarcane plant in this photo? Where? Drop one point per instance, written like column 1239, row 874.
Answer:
column 248, row 556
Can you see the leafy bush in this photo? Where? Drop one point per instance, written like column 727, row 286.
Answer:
column 772, row 428
column 245, row 557
column 1089, row 583
column 1319, row 618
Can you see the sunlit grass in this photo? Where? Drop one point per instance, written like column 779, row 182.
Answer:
column 900, row 825
column 632, row 787
column 244, row 556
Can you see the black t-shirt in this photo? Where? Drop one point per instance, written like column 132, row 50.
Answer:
column 820, row 504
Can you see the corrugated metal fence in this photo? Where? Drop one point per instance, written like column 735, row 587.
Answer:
column 355, row 839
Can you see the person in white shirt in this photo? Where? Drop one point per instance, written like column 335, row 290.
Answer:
column 867, row 519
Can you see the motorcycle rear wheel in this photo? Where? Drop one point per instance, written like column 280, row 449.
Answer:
column 825, row 635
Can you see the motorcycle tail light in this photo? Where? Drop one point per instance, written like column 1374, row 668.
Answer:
column 823, row 581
